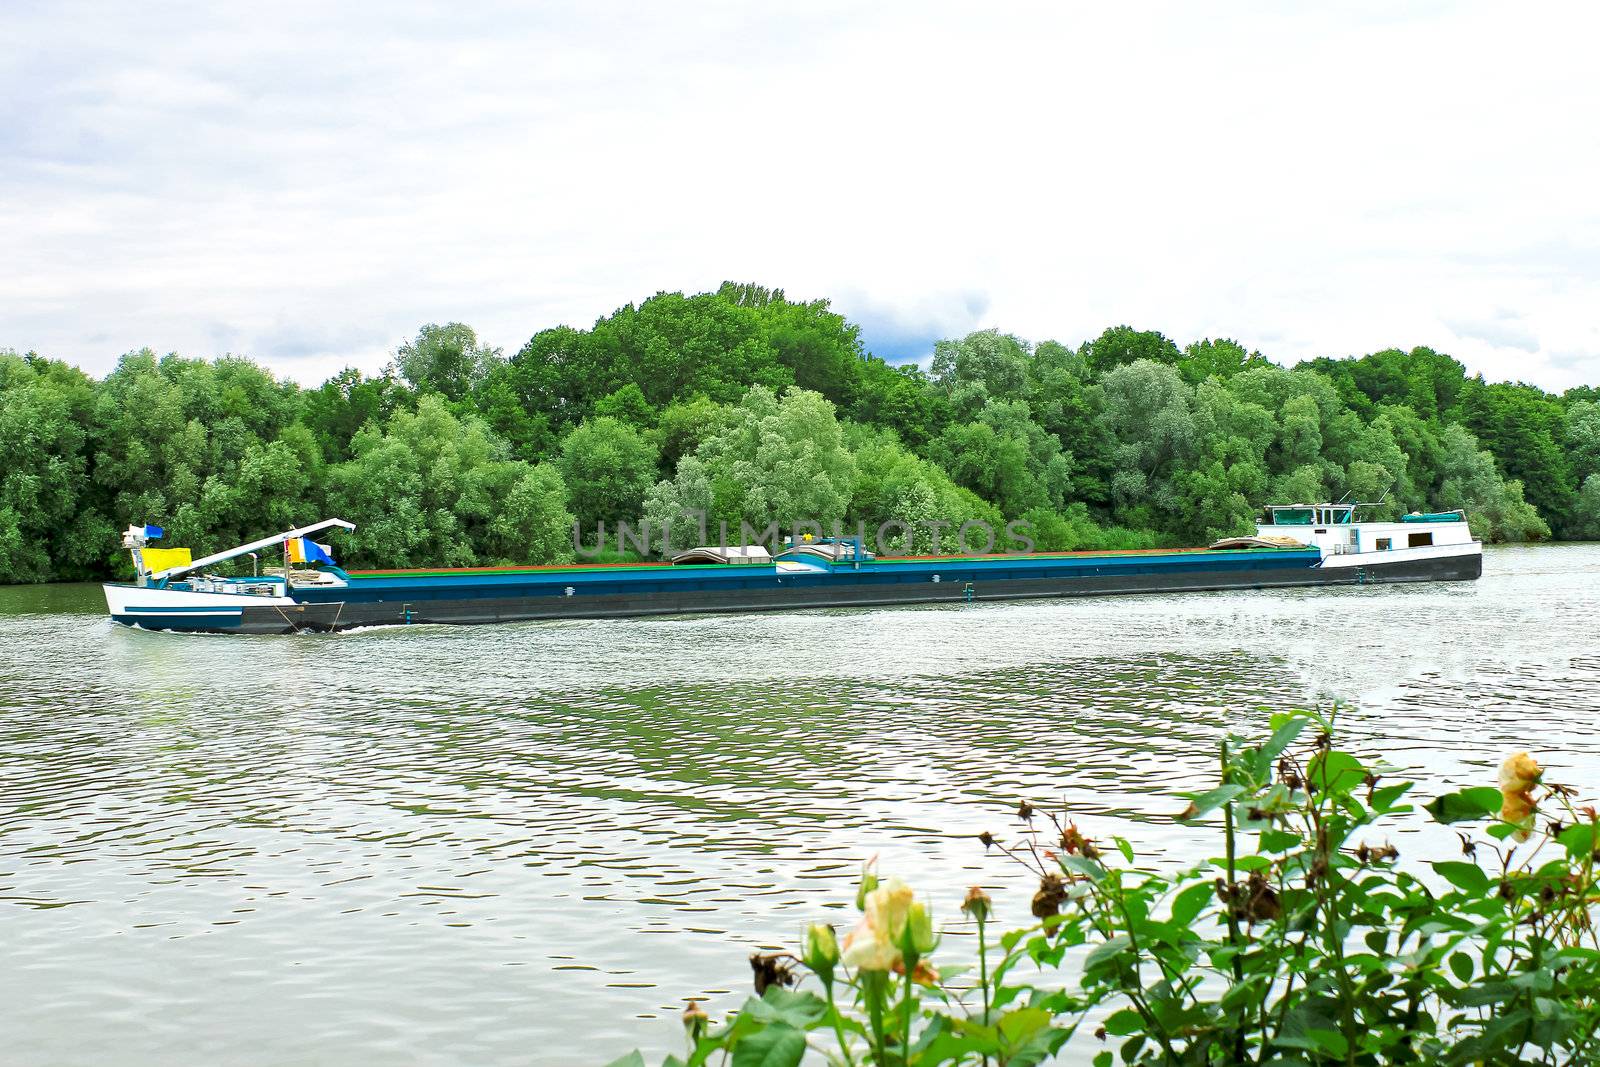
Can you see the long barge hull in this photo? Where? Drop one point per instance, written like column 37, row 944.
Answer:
column 487, row 595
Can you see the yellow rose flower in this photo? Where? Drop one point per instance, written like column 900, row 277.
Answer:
column 874, row 945
column 1518, row 775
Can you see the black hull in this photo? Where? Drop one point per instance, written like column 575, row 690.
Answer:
column 478, row 611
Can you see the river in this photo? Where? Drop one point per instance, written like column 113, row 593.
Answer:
column 527, row 844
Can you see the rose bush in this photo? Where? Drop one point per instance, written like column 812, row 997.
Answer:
column 1305, row 942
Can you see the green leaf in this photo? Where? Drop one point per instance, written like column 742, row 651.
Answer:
column 632, row 1059
column 1461, row 966
column 1464, row 806
column 1039, row 1047
column 791, row 1007
column 1191, row 902
column 1123, row 1022
column 954, row 1044
column 1468, row 877
column 1336, row 772
column 1383, row 797
column 1578, row 840
column 1124, row 847
column 1019, row 1025
column 1103, row 1059
column 1209, row 801
column 776, row 1046
column 1282, row 738
column 1084, row 866
column 1106, row 951
column 1327, row 1042
column 1485, row 993
column 1278, row 840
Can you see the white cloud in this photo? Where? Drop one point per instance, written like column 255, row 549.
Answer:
column 308, row 184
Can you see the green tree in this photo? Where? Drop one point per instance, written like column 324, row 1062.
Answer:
column 530, row 523
column 674, row 346
column 608, row 467
column 1522, row 427
column 901, row 399
column 1121, row 345
column 447, row 360
column 1221, row 358
column 1070, row 407
column 772, row 460
column 498, row 400
column 682, row 425
column 627, row 405
column 983, row 366
column 172, row 435
column 49, row 524
column 1585, row 525
column 1149, row 416
column 821, row 349
column 343, row 404
column 432, row 489
column 904, row 495
column 1582, row 434
column 1470, row 480
column 1006, row 458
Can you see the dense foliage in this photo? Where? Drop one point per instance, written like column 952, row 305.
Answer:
column 754, row 408
column 1307, row 940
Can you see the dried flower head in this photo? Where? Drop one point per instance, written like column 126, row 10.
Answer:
column 1051, row 895
column 1368, row 854
column 771, row 969
column 1073, row 843
column 1253, row 900
column 924, row 973
column 695, row 1020
column 977, row 904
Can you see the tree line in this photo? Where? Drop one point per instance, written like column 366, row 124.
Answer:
column 749, row 407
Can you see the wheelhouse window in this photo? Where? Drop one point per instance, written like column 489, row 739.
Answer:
column 1417, row 540
column 1385, row 543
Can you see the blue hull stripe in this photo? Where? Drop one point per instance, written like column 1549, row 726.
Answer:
column 135, row 609
column 387, row 588
column 215, row 620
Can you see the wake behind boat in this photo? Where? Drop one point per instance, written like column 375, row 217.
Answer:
column 1297, row 545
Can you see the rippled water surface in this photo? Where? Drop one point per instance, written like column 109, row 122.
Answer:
column 526, row 844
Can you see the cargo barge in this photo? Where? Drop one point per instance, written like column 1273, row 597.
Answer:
column 1297, row 545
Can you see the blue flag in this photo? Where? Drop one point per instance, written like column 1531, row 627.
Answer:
column 315, row 553
column 152, row 532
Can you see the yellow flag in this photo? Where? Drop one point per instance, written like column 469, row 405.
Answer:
column 297, row 551
column 160, row 559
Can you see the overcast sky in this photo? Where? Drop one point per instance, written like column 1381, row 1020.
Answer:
column 307, row 184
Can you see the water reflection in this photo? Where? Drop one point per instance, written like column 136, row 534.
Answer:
column 437, row 845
